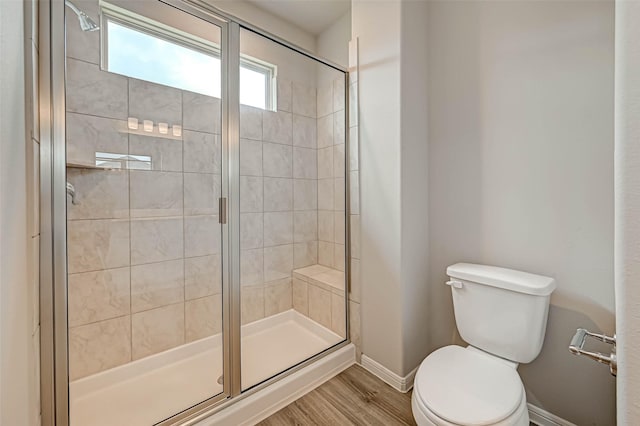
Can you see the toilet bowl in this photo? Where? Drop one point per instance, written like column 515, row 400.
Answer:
column 457, row 386
column 502, row 314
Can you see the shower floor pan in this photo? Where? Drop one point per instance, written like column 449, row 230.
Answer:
column 149, row 390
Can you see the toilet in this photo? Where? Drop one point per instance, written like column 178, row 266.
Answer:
column 502, row 315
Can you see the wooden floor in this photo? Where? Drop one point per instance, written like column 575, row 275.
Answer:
column 354, row 397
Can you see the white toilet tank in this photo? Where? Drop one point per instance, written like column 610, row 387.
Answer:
column 501, row 311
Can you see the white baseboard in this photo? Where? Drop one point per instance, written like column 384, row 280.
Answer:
column 403, row 384
column 540, row 417
column 260, row 405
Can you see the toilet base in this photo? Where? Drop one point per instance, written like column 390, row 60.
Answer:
column 425, row 417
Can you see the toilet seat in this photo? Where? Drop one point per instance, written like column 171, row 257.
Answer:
column 458, row 386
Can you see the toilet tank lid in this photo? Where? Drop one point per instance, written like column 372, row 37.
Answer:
column 521, row 282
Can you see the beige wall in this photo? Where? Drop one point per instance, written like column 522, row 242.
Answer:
column 268, row 22
column 521, row 173
column 19, row 227
column 379, row 132
column 627, row 179
column 393, row 196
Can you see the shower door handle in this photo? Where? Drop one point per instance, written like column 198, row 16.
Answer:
column 222, row 210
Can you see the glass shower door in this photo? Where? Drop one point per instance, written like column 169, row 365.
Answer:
column 145, row 172
column 292, row 208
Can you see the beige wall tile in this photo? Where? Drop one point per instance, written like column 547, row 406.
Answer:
column 202, row 236
column 300, row 294
column 338, row 160
column 203, row 317
column 304, row 132
column 87, row 135
column 277, row 297
column 97, row 244
column 99, row 346
column 250, row 122
column 338, row 221
column 320, row 305
column 326, row 227
column 305, row 194
column 338, row 94
column 305, row 226
column 338, row 315
column 278, row 262
column 201, row 193
column 284, row 94
column 325, row 194
column 278, row 194
column 97, row 296
column 203, row 276
column 150, row 101
column 339, row 128
column 84, row 45
column 305, row 254
column 156, row 240
column 252, row 304
column 278, row 228
column 338, row 194
column 202, row 152
column 166, row 154
column 305, row 163
column 155, row 194
column 157, row 330
column 100, row 194
column 201, row 112
column 250, row 157
column 251, row 194
column 325, row 163
column 304, row 100
column 338, row 257
column 251, row 230
column 157, row 284
column 355, row 236
column 325, row 131
column 251, row 267
column 325, row 100
column 325, row 253
column 95, row 92
column 277, row 127
column 277, row 160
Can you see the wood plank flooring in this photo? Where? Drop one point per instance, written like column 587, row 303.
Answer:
column 354, row 397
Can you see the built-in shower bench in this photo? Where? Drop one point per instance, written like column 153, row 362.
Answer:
column 318, row 292
column 323, row 277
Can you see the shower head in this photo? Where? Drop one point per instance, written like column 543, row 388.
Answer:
column 86, row 23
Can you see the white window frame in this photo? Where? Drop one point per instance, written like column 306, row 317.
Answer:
column 112, row 13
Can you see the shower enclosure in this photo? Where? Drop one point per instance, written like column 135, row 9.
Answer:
column 194, row 195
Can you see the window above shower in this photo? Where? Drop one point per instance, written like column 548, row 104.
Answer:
column 138, row 47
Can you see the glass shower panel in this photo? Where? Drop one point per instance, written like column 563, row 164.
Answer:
column 144, row 172
column 292, row 207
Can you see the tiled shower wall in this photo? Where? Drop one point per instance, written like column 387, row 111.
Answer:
column 355, row 295
column 278, row 198
column 143, row 245
column 331, row 169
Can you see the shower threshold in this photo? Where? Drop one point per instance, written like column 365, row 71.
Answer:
column 151, row 389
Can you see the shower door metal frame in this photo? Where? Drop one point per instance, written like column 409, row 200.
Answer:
column 54, row 375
